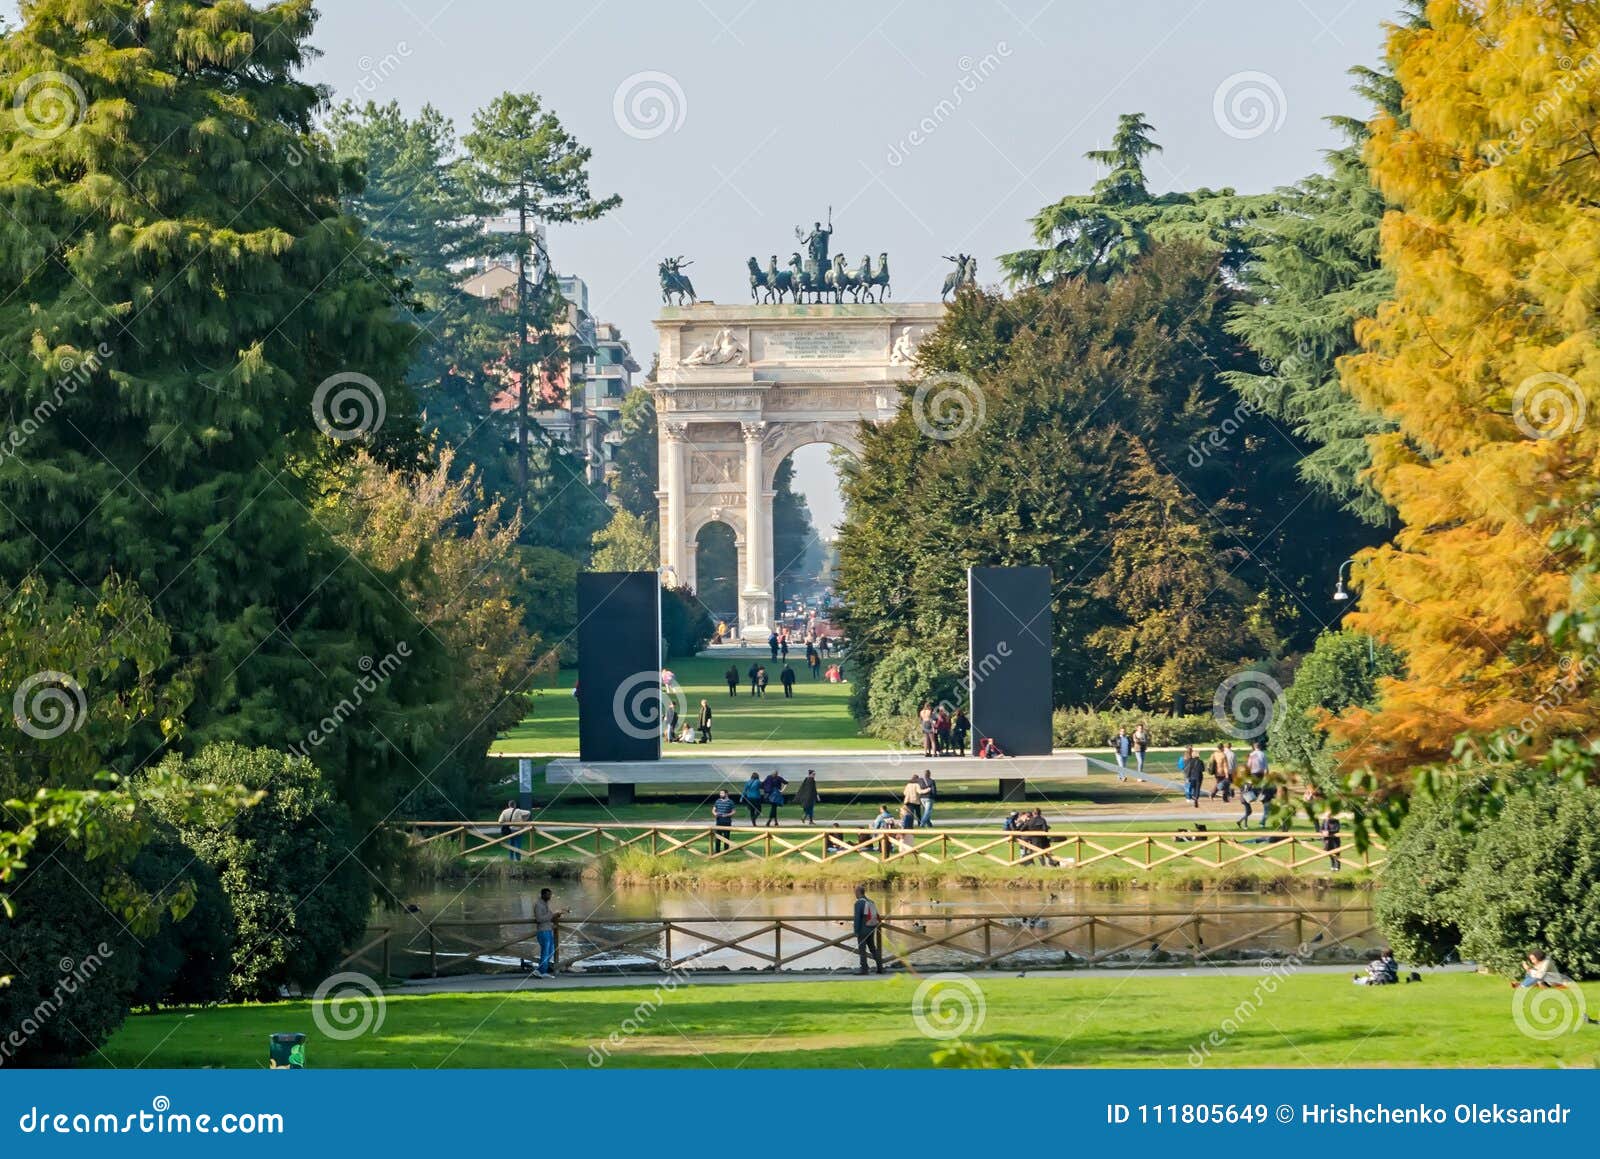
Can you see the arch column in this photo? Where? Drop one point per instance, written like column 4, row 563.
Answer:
column 676, row 556
column 755, row 601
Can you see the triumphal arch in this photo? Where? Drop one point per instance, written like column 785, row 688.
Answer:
column 740, row 387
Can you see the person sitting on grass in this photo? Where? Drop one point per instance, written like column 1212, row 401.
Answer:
column 1542, row 973
column 1382, row 970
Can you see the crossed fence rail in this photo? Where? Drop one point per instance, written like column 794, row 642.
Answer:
column 1068, row 850
column 1077, row 937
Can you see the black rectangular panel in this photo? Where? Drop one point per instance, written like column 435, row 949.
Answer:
column 619, row 666
column 1008, row 653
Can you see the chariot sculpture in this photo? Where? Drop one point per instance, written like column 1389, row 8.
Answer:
column 815, row 278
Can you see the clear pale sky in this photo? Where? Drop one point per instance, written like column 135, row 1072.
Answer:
column 774, row 111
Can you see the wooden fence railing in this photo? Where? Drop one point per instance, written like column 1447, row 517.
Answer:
column 1065, row 849
column 1047, row 937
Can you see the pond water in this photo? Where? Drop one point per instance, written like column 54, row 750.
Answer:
column 488, row 925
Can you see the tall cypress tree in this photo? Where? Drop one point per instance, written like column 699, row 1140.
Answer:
column 183, row 287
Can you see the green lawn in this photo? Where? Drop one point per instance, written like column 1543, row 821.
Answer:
column 817, row 718
column 1149, row 1019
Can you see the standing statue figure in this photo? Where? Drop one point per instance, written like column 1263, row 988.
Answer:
column 965, row 274
column 816, row 243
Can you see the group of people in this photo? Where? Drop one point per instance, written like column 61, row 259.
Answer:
column 1130, row 746
column 1035, row 846
column 681, row 731
column 816, row 645
column 943, row 733
column 1254, row 788
column 757, row 676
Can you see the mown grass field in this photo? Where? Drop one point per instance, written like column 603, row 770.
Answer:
column 1150, row 1019
column 818, row 717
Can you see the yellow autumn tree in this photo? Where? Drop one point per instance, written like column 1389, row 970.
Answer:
column 1487, row 362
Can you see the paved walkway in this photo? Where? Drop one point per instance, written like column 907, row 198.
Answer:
column 500, row 983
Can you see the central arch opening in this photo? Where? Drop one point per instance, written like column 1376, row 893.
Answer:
column 807, row 511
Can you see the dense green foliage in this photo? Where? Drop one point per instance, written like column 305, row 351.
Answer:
column 297, row 894
column 1093, row 435
column 1521, row 879
column 185, row 280
column 1105, row 232
column 1313, row 272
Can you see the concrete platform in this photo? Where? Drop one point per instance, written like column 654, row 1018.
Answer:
column 1012, row 773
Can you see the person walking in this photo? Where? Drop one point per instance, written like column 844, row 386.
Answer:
column 1122, row 747
column 910, row 804
column 705, row 721
column 1219, row 774
column 732, row 677
column 761, row 682
column 754, row 674
column 1269, row 793
column 868, row 930
column 814, row 661
column 544, row 928
column 509, row 816
column 786, row 678
column 722, row 820
column 772, row 792
column 1141, row 742
column 806, row 796
column 1329, row 828
column 930, row 790
column 672, row 721
column 772, row 644
column 751, row 796
column 1255, row 768
column 1194, row 771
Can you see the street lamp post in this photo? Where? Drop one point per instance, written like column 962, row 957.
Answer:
column 1340, row 592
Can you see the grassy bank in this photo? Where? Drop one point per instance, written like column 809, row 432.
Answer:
column 1147, row 1020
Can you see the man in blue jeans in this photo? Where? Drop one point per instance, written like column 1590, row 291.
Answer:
column 544, row 925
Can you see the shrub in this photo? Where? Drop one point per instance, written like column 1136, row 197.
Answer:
column 906, row 679
column 186, row 961
column 72, row 963
column 1417, row 908
column 1338, row 673
column 298, row 894
column 1094, row 728
column 685, row 624
column 1522, row 880
column 1531, row 882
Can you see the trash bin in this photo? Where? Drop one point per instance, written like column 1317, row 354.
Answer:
column 286, row 1052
